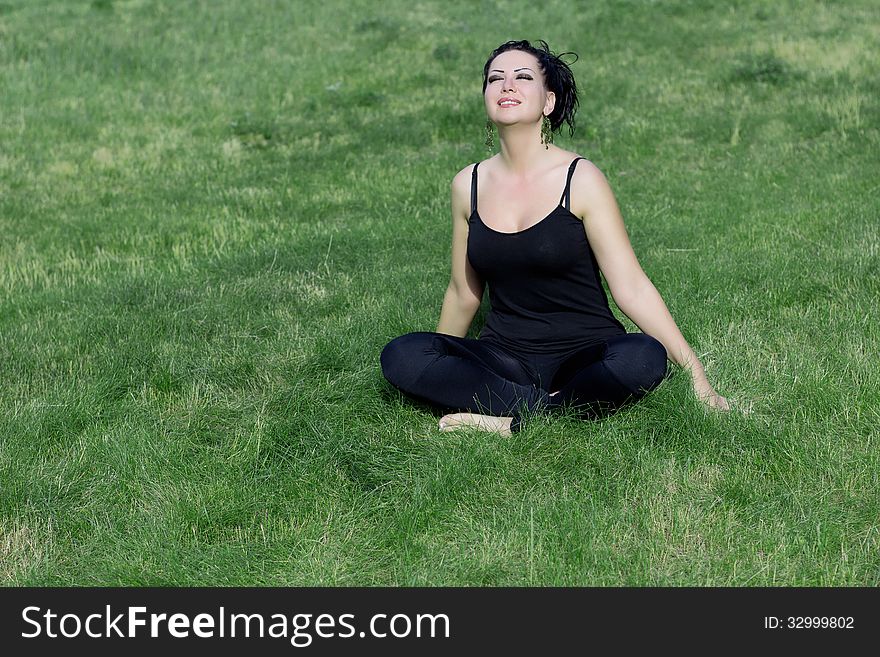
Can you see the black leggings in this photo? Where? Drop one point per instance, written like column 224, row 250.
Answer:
column 481, row 376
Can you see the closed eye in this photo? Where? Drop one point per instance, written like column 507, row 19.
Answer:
column 524, row 76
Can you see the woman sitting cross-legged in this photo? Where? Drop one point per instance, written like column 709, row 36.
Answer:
column 538, row 224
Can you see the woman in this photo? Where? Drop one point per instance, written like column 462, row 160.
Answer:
column 550, row 339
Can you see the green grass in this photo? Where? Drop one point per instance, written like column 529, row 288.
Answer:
column 215, row 214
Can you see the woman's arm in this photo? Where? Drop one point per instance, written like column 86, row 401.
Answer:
column 465, row 290
column 646, row 309
column 630, row 287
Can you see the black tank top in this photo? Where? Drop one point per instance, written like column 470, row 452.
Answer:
column 545, row 293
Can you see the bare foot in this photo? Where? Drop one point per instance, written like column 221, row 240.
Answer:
column 494, row 423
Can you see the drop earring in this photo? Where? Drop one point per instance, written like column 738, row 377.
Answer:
column 490, row 142
column 546, row 134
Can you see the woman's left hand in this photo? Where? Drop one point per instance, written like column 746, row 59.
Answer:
column 706, row 393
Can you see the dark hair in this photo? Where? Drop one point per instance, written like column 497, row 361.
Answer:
column 558, row 78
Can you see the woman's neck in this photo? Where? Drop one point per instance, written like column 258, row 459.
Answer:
column 522, row 152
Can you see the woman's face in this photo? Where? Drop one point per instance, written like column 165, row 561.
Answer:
column 516, row 75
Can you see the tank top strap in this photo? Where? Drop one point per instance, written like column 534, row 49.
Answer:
column 474, row 189
column 566, row 193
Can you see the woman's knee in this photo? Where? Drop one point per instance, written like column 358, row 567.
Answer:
column 655, row 360
column 640, row 360
column 401, row 359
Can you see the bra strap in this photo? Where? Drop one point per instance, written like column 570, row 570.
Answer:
column 474, row 189
column 566, row 193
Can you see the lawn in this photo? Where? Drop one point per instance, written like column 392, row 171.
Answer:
column 214, row 215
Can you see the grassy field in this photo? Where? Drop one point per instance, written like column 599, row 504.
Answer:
column 215, row 214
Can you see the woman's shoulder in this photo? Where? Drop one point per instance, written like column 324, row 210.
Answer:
column 462, row 180
column 586, row 172
column 465, row 172
column 461, row 190
column 588, row 187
